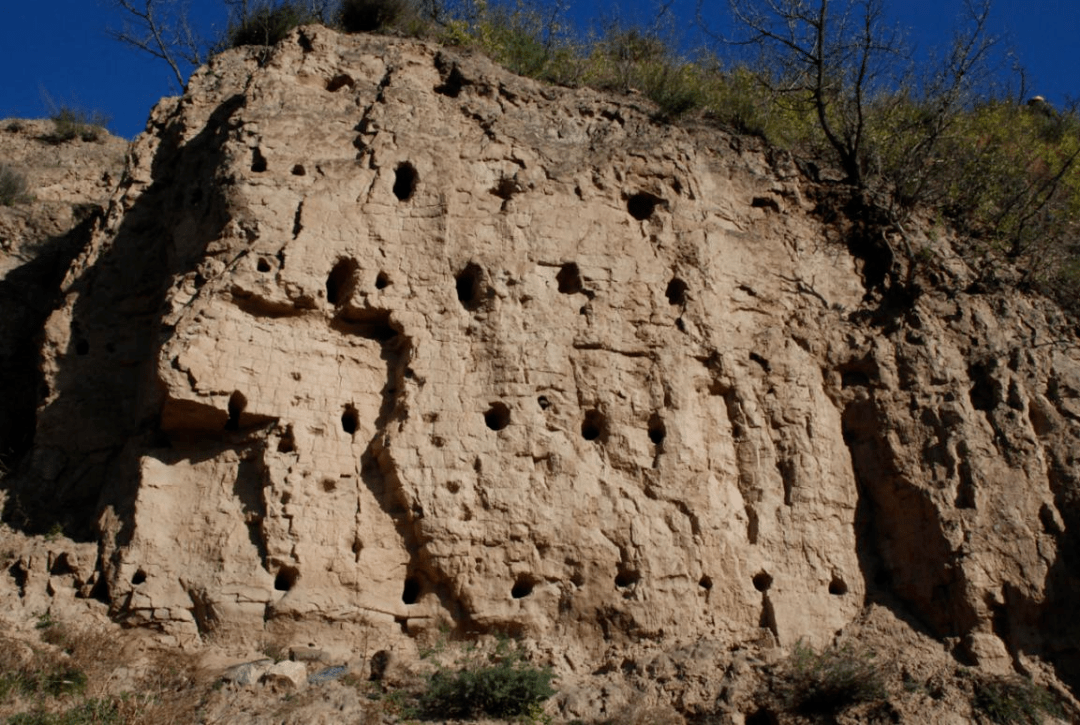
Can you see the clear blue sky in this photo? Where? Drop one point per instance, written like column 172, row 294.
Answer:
column 60, row 49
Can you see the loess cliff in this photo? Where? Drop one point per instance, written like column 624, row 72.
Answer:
column 375, row 340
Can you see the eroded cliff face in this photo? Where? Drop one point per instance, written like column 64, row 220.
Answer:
column 378, row 339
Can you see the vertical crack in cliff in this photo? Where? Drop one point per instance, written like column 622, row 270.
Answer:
column 379, row 473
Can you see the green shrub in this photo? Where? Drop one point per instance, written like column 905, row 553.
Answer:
column 368, row 16
column 1007, row 701
column 75, row 123
column 824, row 684
column 268, row 24
column 12, row 189
column 501, row 685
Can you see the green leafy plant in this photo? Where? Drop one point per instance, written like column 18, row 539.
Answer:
column 501, row 684
column 1006, row 701
column 822, row 684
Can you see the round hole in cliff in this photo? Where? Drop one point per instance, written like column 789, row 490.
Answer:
column 627, row 577
column 838, row 586
column 342, row 80
column 329, row 485
column 453, row 486
column 762, row 717
column 286, row 578
column 82, row 347
column 468, row 285
column 237, row 404
column 138, row 577
column 262, row 265
column 523, row 587
column 543, row 402
column 405, row 178
column 299, row 170
column 382, row 280
column 410, row 593
column 642, row 205
column 258, row 161
column 350, row 419
column 676, row 291
column 286, row 441
column 497, row 416
column 705, row 582
column 762, row 581
column 569, row 279
column 657, row 429
column 341, row 281
column 286, row 498
column 594, row 426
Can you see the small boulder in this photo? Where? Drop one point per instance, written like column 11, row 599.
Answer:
column 248, row 673
column 287, row 674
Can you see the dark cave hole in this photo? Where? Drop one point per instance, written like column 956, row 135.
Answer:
column 237, row 404
column 299, row 170
column 762, row 581
column 676, row 291
column 342, row 80
column 626, row 577
column 523, row 587
column 350, row 419
column 286, row 441
column 258, row 161
column 262, row 265
column 468, row 286
column 569, row 279
column 838, row 586
column 341, row 281
column 497, row 416
column 405, row 179
column 762, row 717
column 411, row 591
column 286, row 578
column 382, row 280
column 642, row 205
column 543, row 402
column 657, row 429
column 138, row 577
column 705, row 582
column 594, row 426
column 61, row 566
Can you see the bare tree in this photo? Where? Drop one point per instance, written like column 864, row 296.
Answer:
column 163, row 29
column 829, row 56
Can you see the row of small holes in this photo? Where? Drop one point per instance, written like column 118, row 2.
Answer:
column 640, row 205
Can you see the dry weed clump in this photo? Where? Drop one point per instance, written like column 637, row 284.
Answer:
column 82, row 675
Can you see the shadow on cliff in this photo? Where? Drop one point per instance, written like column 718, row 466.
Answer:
column 105, row 397
column 1048, row 627
column 28, row 294
column 906, row 560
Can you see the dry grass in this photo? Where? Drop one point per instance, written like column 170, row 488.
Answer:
column 83, row 675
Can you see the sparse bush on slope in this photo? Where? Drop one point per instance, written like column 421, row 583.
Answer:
column 269, row 23
column 12, row 191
